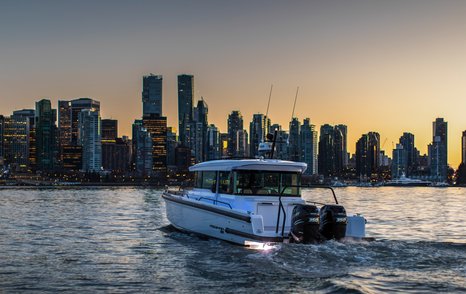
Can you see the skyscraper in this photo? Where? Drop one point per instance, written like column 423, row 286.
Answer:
column 2, row 148
column 29, row 115
column 374, row 150
column 309, row 146
column 198, row 131
column 407, row 141
column 399, row 161
column 258, row 129
column 64, row 128
column 89, row 137
column 77, row 105
column 363, row 158
column 109, row 130
column 152, row 95
column 344, row 143
column 16, row 142
column 142, row 146
column 439, row 151
column 235, row 124
column 463, row 148
column 213, row 143
column 172, row 143
column 294, row 147
column 46, row 136
column 327, row 151
column 281, row 146
column 156, row 126
column 242, row 146
column 185, row 106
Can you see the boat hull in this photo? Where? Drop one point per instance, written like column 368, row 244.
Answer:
column 216, row 222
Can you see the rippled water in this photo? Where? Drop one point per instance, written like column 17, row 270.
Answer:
column 119, row 240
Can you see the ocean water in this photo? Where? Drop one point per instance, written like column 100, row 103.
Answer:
column 119, row 240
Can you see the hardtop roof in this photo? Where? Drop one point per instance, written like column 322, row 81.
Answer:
column 250, row 164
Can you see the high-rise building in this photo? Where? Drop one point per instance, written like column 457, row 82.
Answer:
column 281, row 142
column 213, row 143
column 89, row 137
column 368, row 159
column 185, row 106
column 109, row 130
column 258, row 130
column 344, row 143
column 327, row 151
column 439, row 151
column 77, row 105
column 199, row 131
column 116, row 155
column 463, row 148
column 2, row 148
column 235, row 124
column 64, row 128
column 363, row 158
column 374, row 149
column 309, row 146
column 407, row 141
column 224, row 145
column 399, row 161
column 16, row 142
column 171, row 146
column 152, row 95
column 294, row 147
column 242, row 146
column 64, row 122
column 156, row 126
column 46, row 136
column 72, row 157
column 142, row 146
column 29, row 115
column 116, row 152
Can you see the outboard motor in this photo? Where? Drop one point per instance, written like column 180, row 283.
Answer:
column 333, row 222
column 305, row 224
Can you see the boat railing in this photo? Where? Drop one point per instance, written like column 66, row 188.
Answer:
column 281, row 208
column 215, row 201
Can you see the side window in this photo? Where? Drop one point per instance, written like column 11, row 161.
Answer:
column 224, row 184
column 198, row 179
column 209, row 179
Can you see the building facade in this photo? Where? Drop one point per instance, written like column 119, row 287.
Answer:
column 309, row 146
column 399, row 161
column 185, row 107
column 235, row 124
column 152, row 95
column 46, row 136
column 89, row 137
column 439, row 151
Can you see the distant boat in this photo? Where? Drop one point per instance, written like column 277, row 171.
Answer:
column 338, row 184
column 441, row 185
column 403, row 181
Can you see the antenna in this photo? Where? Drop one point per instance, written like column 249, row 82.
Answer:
column 294, row 105
column 268, row 104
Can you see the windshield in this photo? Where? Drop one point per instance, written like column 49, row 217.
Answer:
column 266, row 183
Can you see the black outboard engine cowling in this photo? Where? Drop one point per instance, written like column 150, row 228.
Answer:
column 333, row 222
column 305, row 224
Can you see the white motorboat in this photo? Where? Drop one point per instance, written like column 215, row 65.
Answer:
column 254, row 201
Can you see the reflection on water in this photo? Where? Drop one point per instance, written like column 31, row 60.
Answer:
column 119, row 240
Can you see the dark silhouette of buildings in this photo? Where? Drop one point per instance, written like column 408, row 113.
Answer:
column 185, row 107
column 152, row 95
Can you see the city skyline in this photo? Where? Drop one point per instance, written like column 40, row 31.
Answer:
column 385, row 67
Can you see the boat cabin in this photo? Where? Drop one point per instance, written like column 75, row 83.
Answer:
column 250, row 177
column 250, row 185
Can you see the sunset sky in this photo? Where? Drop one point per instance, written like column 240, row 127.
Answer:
column 385, row 66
